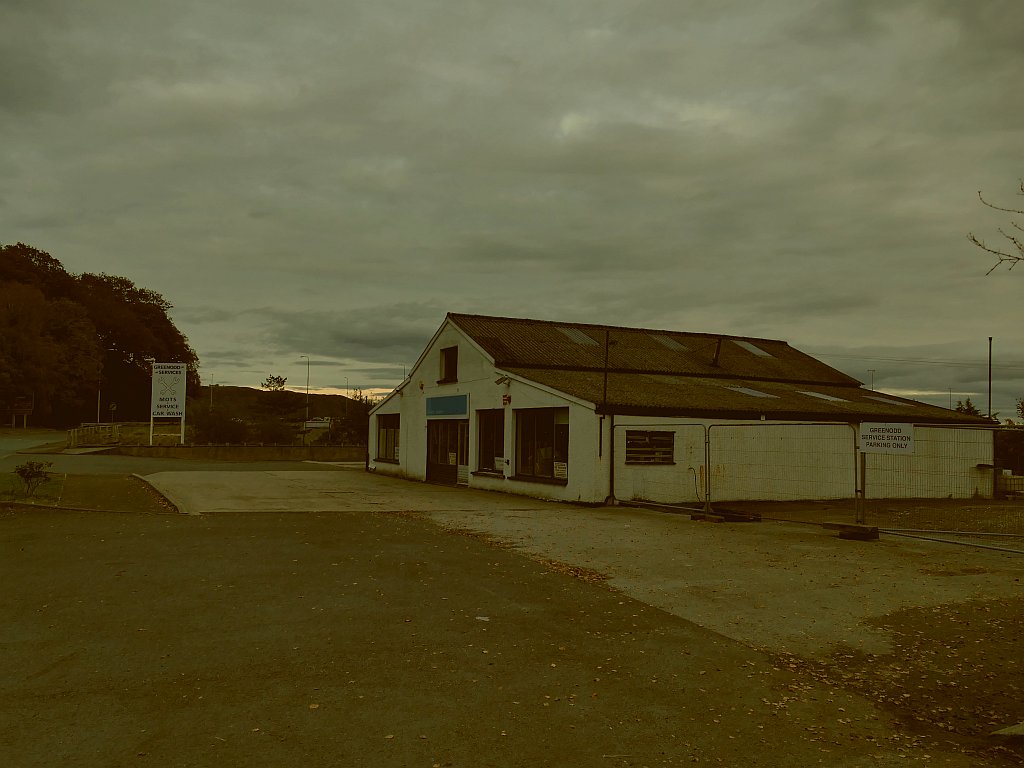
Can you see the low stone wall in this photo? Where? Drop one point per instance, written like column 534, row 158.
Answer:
column 247, row 452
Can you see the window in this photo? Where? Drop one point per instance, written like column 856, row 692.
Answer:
column 387, row 436
column 449, row 365
column 649, row 447
column 542, row 444
column 490, row 440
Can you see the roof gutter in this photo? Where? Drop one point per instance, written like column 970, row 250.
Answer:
column 762, row 415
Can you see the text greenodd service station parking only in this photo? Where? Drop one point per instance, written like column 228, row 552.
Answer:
column 887, row 438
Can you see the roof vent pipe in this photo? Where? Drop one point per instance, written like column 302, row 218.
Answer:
column 718, row 351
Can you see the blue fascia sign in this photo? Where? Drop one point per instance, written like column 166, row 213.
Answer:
column 449, row 405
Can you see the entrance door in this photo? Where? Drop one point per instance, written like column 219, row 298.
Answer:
column 448, row 451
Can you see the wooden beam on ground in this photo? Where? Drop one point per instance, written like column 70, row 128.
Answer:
column 854, row 531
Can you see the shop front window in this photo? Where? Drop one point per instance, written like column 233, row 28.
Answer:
column 542, row 444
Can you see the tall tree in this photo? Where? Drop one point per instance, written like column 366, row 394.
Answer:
column 133, row 329
column 48, row 351
column 104, row 327
column 1012, row 251
column 274, row 383
column 967, row 407
column 24, row 264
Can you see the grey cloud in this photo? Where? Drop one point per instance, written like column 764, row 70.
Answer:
column 379, row 334
column 951, row 370
column 358, row 169
column 222, row 359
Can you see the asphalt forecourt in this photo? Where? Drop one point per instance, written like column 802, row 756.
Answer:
column 428, row 626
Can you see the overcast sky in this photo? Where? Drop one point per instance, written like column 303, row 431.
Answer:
column 330, row 177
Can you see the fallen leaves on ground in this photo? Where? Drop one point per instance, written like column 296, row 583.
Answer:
column 956, row 674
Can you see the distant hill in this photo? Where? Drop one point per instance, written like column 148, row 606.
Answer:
column 214, row 408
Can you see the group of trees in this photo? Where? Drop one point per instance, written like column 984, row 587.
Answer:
column 73, row 343
column 972, row 410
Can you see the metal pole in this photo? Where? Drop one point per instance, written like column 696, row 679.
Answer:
column 707, row 468
column 305, row 428
column 862, row 494
column 990, row 377
column 152, row 419
column 604, row 391
column 604, row 404
column 307, row 385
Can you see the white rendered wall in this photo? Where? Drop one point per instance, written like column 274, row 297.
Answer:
column 479, row 380
column 944, row 464
column 789, row 461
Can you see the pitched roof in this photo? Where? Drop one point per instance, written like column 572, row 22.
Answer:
column 658, row 372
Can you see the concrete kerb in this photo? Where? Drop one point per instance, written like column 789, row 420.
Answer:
column 179, row 504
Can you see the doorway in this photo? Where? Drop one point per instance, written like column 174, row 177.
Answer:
column 448, row 451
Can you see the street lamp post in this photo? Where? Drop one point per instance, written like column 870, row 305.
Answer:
column 307, row 385
column 99, row 383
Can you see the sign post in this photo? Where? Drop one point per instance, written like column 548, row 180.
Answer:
column 880, row 437
column 168, row 395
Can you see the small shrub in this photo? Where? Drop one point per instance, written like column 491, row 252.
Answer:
column 33, row 474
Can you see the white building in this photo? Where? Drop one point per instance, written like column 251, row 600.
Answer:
column 590, row 413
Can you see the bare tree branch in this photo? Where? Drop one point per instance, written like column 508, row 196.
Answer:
column 1003, row 256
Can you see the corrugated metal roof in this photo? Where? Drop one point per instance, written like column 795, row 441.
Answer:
column 698, row 397
column 686, row 374
column 580, row 346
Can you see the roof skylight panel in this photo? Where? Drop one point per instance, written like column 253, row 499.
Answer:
column 751, row 348
column 668, row 342
column 751, row 392
column 822, row 396
column 579, row 336
column 889, row 400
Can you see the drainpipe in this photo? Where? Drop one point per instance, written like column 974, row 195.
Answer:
column 707, row 464
column 611, row 460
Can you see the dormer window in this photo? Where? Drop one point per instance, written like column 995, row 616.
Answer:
column 449, row 365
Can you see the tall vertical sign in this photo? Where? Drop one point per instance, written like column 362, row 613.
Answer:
column 168, row 395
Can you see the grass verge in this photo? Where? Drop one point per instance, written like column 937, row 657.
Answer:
column 48, row 493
